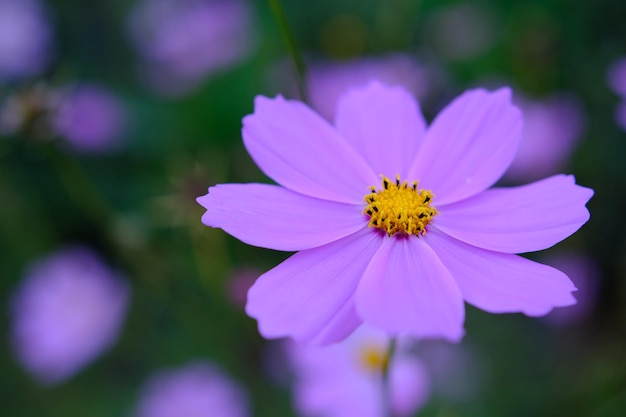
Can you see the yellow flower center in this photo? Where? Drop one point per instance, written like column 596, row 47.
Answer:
column 373, row 359
column 399, row 207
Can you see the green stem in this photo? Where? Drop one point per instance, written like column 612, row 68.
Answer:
column 386, row 378
column 79, row 187
column 292, row 47
column 87, row 197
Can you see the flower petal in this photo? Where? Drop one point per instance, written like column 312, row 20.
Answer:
column 332, row 392
column 469, row 145
column 309, row 297
column 502, row 282
column 273, row 217
column 410, row 385
column 384, row 124
column 518, row 219
column 407, row 290
column 301, row 151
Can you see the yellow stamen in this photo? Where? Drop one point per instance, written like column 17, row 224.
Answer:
column 373, row 359
column 399, row 207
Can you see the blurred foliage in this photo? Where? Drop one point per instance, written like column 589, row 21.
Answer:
column 137, row 206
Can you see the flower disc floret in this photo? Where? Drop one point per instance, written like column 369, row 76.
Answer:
column 399, row 207
column 373, row 359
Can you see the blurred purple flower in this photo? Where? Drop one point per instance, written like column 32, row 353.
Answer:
column 327, row 82
column 552, row 129
column 620, row 114
column 616, row 77
column 67, row 311
column 90, row 118
column 25, row 38
column 345, row 379
column 184, row 41
column 585, row 274
column 198, row 389
column 376, row 251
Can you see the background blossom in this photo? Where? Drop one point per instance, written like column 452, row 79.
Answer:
column 616, row 78
column 345, row 379
column 25, row 39
column 185, row 41
column 327, row 82
column 197, row 389
column 68, row 310
column 89, row 118
column 585, row 275
column 552, row 129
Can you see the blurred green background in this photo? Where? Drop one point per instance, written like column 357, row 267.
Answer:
column 136, row 205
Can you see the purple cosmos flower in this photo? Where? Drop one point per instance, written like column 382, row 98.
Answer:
column 198, row 389
column 67, row 311
column 90, row 118
column 25, row 38
column 552, row 129
column 345, row 379
column 184, row 41
column 393, row 220
column 327, row 82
